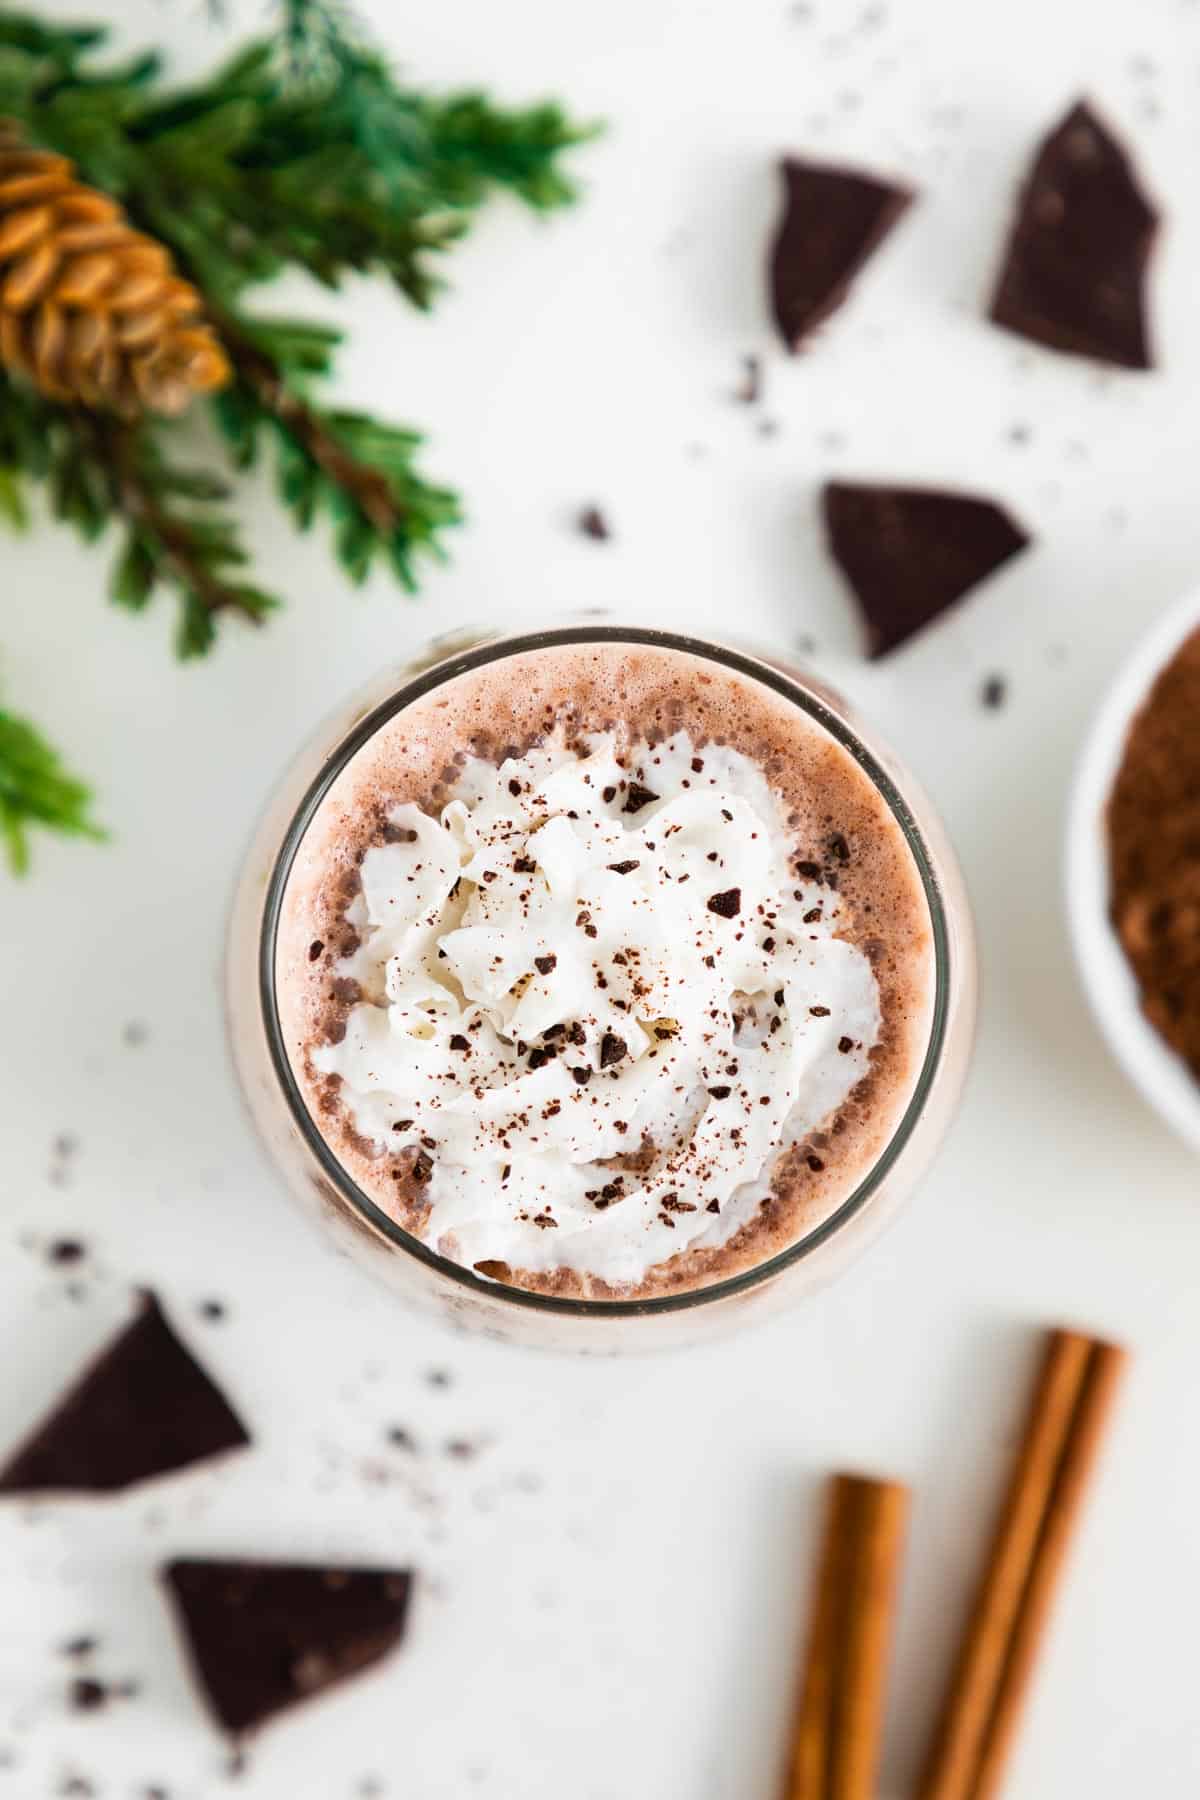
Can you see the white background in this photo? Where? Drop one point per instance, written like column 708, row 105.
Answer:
column 612, row 1587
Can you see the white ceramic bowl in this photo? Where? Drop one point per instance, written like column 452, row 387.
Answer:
column 1162, row 1077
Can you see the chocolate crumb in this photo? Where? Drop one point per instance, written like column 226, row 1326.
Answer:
column 624, row 868
column 612, row 1049
column 819, row 1012
column 637, row 797
column 845, row 1045
column 814, row 1163
column 593, row 524
column 582, row 1074
column 545, row 965
column 87, row 1694
column 720, row 1093
column 315, row 949
column 727, row 904
column 459, row 1042
column 713, row 1207
column 750, row 389
column 514, row 788
column 65, row 1252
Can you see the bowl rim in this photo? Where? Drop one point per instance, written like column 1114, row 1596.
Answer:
column 1160, row 1075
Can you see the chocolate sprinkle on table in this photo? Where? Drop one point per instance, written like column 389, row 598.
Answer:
column 593, row 524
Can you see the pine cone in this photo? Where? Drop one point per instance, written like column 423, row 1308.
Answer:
column 90, row 309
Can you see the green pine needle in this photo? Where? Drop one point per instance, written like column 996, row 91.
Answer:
column 35, row 790
column 301, row 151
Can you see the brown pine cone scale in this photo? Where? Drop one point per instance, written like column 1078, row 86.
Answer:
column 91, row 309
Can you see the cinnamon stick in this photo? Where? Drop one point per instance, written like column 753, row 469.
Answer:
column 1105, row 1367
column 883, row 1516
column 835, row 1749
column 1066, row 1419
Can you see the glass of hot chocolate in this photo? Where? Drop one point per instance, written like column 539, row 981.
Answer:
column 598, row 986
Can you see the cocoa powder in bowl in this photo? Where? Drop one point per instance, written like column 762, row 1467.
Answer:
column 1154, row 844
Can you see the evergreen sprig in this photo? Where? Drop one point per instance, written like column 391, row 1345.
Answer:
column 35, row 790
column 302, row 150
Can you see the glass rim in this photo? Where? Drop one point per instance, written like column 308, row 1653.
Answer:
column 449, row 669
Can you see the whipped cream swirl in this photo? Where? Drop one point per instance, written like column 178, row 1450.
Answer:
column 598, row 1002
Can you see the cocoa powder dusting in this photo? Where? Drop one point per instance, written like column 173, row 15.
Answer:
column 1154, row 844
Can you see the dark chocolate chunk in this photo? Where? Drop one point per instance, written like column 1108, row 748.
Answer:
column 545, row 965
column 637, row 797
column 315, row 949
column 625, row 868
column 909, row 553
column 612, row 1049
column 727, row 904
column 1074, row 269
column 832, row 222
column 263, row 1636
column 592, row 522
column 143, row 1408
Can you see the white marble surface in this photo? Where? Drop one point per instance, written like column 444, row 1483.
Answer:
column 612, row 1586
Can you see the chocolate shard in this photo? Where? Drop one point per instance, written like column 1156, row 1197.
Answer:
column 833, row 220
column 909, row 553
column 1074, row 269
column 264, row 1636
column 142, row 1408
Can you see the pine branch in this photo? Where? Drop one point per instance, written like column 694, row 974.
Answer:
column 354, row 468
column 98, row 470
column 36, row 790
column 320, row 158
column 193, row 551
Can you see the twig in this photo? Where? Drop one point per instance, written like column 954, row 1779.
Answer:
column 368, row 487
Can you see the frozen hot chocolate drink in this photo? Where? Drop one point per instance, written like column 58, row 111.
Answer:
column 605, row 970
